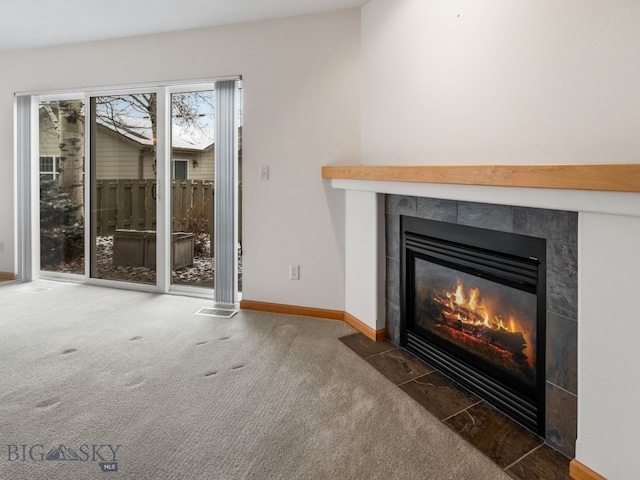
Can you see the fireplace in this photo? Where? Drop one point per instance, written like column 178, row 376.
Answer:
column 473, row 304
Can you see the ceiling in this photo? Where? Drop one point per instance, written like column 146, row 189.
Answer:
column 40, row 23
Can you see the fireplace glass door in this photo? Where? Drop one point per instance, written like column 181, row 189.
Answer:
column 488, row 323
column 474, row 307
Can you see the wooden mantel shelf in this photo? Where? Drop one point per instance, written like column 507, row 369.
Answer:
column 602, row 177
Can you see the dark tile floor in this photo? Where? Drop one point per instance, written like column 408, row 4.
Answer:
column 520, row 453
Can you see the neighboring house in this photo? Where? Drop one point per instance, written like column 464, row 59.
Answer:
column 127, row 152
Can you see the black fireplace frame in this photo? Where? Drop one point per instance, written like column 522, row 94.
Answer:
column 514, row 260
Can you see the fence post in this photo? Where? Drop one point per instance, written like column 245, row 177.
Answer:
column 98, row 207
column 210, row 204
column 150, row 204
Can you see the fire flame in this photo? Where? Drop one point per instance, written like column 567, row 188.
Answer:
column 471, row 301
column 459, row 295
column 467, row 310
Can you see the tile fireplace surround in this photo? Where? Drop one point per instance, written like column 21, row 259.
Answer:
column 560, row 229
column 606, row 199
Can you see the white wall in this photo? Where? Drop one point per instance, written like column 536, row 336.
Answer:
column 302, row 106
column 545, row 81
column 501, row 81
column 608, row 348
column 365, row 251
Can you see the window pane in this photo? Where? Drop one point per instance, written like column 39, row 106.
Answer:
column 123, row 187
column 61, row 139
column 192, row 188
column 180, row 169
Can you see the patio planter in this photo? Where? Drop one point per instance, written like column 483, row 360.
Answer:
column 138, row 248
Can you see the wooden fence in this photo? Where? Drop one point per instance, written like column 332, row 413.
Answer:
column 130, row 205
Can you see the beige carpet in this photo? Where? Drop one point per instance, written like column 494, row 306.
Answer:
column 138, row 382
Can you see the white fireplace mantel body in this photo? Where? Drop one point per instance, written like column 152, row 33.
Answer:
column 608, row 318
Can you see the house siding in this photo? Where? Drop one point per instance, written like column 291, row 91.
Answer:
column 117, row 158
column 120, row 157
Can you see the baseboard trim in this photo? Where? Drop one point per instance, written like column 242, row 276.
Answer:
column 366, row 330
column 578, row 471
column 375, row 335
column 292, row 309
column 7, row 276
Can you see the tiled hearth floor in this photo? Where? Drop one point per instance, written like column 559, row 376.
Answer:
column 520, row 453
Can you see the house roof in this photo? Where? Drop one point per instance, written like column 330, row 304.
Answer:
column 139, row 130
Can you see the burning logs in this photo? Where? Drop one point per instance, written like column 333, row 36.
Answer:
column 475, row 321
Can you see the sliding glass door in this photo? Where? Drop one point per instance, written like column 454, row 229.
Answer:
column 154, row 172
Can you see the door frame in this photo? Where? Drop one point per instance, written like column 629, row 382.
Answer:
column 28, row 180
column 161, row 285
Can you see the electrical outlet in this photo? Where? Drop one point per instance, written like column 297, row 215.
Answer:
column 294, row 272
column 264, row 173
